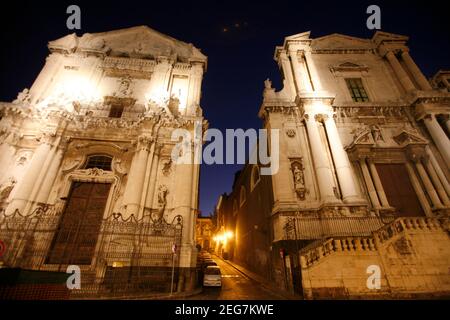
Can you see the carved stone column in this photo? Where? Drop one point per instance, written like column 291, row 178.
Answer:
column 315, row 79
column 428, row 186
column 160, row 79
column 437, row 183
column 47, row 184
column 414, row 69
column 41, row 84
column 7, row 151
column 369, row 183
column 153, row 176
column 401, row 74
column 287, row 71
column 418, row 188
column 28, row 181
column 133, row 191
column 321, row 163
column 344, row 170
column 378, row 185
column 439, row 137
column 195, row 83
column 438, row 169
column 300, row 77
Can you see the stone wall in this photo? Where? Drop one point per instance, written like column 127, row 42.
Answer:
column 413, row 256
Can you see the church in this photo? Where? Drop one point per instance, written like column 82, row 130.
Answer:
column 86, row 173
column 363, row 182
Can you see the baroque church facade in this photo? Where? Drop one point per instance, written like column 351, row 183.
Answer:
column 364, row 176
column 87, row 176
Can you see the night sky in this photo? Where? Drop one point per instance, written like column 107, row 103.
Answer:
column 238, row 38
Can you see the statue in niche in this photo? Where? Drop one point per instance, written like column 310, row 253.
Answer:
column 162, row 202
column 299, row 178
column 298, row 175
column 167, row 165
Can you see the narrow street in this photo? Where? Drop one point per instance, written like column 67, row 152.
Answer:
column 236, row 286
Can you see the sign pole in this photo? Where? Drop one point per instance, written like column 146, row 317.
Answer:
column 174, row 250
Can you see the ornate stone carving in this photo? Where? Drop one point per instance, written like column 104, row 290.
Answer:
column 94, row 172
column 46, row 137
column 298, row 174
column 403, row 246
column 6, row 188
column 70, row 164
column 290, row 133
column 362, row 135
column 377, row 133
column 167, row 166
column 408, row 136
column 23, row 97
column 125, row 87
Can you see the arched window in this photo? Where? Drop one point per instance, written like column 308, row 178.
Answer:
column 255, row 177
column 242, row 196
column 99, row 161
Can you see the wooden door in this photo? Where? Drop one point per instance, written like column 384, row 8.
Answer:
column 399, row 190
column 76, row 237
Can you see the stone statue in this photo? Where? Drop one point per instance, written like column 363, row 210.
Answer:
column 23, row 97
column 376, row 133
column 162, row 202
column 298, row 176
column 6, row 188
column 268, row 84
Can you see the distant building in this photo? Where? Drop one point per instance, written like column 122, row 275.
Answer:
column 86, row 172
column 363, row 183
column 203, row 235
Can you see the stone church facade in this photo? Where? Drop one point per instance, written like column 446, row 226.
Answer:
column 87, row 176
column 363, row 179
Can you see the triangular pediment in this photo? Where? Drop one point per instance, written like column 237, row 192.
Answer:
column 136, row 41
column 381, row 36
column 406, row 137
column 299, row 36
column 340, row 41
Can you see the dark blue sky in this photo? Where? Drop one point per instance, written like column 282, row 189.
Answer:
column 239, row 59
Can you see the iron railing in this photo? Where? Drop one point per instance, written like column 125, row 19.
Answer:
column 130, row 256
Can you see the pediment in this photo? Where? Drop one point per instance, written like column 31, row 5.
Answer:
column 299, row 36
column 140, row 41
column 381, row 36
column 349, row 66
column 339, row 41
column 406, row 137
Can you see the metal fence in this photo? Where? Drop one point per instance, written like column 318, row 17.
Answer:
column 120, row 258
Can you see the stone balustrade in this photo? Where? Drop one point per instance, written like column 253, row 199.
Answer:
column 367, row 244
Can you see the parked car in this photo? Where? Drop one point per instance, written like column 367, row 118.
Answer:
column 209, row 262
column 212, row 277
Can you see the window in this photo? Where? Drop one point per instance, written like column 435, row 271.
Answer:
column 235, row 206
column 357, row 91
column 116, row 111
column 242, row 196
column 255, row 177
column 100, row 162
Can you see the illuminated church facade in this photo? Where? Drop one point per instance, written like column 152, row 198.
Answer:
column 363, row 182
column 86, row 174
